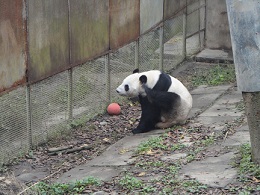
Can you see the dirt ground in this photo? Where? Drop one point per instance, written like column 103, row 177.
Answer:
column 97, row 134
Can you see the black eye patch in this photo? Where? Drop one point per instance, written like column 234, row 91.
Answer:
column 126, row 88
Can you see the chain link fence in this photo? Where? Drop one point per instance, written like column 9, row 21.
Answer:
column 14, row 139
column 32, row 114
column 173, row 42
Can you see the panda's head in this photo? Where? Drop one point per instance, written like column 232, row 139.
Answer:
column 132, row 85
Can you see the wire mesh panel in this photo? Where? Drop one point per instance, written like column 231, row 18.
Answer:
column 122, row 64
column 149, row 51
column 49, row 107
column 173, row 42
column 193, row 27
column 14, row 138
column 89, row 88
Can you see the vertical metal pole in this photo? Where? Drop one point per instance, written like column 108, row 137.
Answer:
column 70, row 72
column 137, row 54
column 107, row 70
column 205, row 23
column 29, row 114
column 199, row 26
column 161, row 48
column 70, row 94
column 184, row 30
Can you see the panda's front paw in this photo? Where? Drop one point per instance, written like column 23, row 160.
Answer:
column 136, row 131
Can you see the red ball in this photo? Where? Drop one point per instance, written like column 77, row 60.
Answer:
column 113, row 109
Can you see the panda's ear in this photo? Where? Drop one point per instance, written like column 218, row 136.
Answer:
column 143, row 79
column 136, row 71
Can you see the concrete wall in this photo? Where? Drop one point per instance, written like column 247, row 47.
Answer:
column 217, row 28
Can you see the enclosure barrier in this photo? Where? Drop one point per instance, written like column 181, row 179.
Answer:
column 52, row 101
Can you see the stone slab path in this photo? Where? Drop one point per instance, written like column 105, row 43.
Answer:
column 213, row 107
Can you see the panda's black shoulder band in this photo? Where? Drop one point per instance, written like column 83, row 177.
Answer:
column 164, row 82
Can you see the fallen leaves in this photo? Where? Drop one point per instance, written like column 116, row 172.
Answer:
column 141, row 174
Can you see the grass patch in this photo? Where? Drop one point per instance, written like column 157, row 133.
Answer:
column 193, row 186
column 185, row 186
column 178, row 146
column 72, row 188
column 152, row 143
column 219, row 74
column 149, row 164
column 129, row 182
column 240, row 106
column 243, row 161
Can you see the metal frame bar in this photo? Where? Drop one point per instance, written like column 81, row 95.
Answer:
column 137, row 54
column 70, row 94
column 161, row 31
column 107, row 71
column 29, row 115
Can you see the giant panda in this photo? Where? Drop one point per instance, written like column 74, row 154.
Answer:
column 164, row 100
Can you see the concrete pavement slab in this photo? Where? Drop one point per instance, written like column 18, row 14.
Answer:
column 216, row 123
column 175, row 156
column 222, row 110
column 243, row 128
column 121, row 152
column 204, row 89
column 84, row 171
column 239, row 138
column 213, row 171
column 202, row 100
column 209, row 55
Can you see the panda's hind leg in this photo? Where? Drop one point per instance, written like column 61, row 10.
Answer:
column 165, row 125
column 168, row 124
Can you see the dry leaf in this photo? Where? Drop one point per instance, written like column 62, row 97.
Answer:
column 150, row 152
column 122, row 151
column 106, row 140
column 141, row 174
column 256, row 180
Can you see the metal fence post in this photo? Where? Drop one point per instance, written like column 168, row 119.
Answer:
column 29, row 114
column 107, row 69
column 137, row 54
column 199, row 25
column 184, row 30
column 161, row 48
column 70, row 94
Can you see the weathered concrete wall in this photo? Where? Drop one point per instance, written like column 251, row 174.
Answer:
column 217, row 28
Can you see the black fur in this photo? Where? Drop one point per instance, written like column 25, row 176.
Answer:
column 135, row 70
column 166, row 101
column 143, row 79
column 149, row 117
column 164, row 82
column 157, row 99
